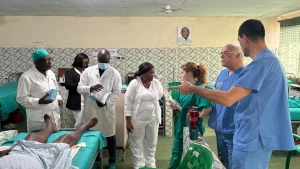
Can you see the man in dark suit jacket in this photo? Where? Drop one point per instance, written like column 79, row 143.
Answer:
column 72, row 77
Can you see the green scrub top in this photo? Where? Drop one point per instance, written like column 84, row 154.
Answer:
column 187, row 101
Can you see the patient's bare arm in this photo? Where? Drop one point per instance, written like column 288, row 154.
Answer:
column 4, row 152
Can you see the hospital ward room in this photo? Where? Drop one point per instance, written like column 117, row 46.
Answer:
column 141, row 84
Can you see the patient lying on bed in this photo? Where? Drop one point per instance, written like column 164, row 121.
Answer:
column 33, row 153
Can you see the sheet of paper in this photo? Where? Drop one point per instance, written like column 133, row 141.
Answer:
column 100, row 97
column 103, row 100
column 92, row 97
column 75, row 148
column 171, row 100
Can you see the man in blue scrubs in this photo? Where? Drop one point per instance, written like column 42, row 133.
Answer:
column 261, row 118
column 221, row 118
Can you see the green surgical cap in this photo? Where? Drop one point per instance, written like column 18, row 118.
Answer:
column 38, row 54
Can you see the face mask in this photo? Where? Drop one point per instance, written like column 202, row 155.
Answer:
column 103, row 66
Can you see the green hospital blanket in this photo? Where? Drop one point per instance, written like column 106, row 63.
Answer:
column 94, row 142
column 290, row 82
column 294, row 104
column 8, row 103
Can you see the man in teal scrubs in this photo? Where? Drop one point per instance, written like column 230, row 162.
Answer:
column 261, row 118
column 221, row 118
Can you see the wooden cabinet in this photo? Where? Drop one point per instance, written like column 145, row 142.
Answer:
column 60, row 74
column 121, row 131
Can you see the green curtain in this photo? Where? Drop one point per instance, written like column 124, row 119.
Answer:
column 289, row 46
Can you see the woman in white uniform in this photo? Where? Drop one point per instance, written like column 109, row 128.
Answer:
column 72, row 77
column 143, row 115
column 33, row 89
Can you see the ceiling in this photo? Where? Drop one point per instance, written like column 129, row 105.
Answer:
column 254, row 8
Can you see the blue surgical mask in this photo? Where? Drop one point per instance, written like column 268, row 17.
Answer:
column 103, row 66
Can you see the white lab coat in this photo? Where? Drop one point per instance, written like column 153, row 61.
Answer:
column 112, row 83
column 143, row 138
column 32, row 86
column 78, row 114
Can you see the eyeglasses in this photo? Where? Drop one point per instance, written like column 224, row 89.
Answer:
column 226, row 53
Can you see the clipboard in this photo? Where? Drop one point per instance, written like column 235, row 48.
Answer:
column 103, row 99
column 171, row 100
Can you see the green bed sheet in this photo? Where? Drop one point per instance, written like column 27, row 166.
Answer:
column 94, row 142
column 8, row 103
column 295, row 114
column 294, row 104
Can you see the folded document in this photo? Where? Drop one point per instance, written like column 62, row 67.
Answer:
column 75, row 148
column 171, row 100
column 102, row 100
column 51, row 95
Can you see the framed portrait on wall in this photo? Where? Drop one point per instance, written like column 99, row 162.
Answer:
column 184, row 35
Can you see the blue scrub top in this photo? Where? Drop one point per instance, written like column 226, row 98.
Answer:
column 222, row 117
column 262, row 119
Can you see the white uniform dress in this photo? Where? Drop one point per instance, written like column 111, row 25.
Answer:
column 32, row 86
column 78, row 114
column 112, row 83
column 143, row 107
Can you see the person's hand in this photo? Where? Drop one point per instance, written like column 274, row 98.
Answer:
column 200, row 115
column 175, row 112
column 60, row 103
column 100, row 104
column 43, row 101
column 4, row 152
column 185, row 87
column 96, row 88
column 173, row 106
column 129, row 125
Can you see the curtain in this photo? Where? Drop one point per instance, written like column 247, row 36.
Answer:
column 289, row 46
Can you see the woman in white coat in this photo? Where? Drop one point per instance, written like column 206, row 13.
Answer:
column 143, row 115
column 34, row 85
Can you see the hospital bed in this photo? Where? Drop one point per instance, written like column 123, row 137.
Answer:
column 86, row 156
column 295, row 115
column 8, row 103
